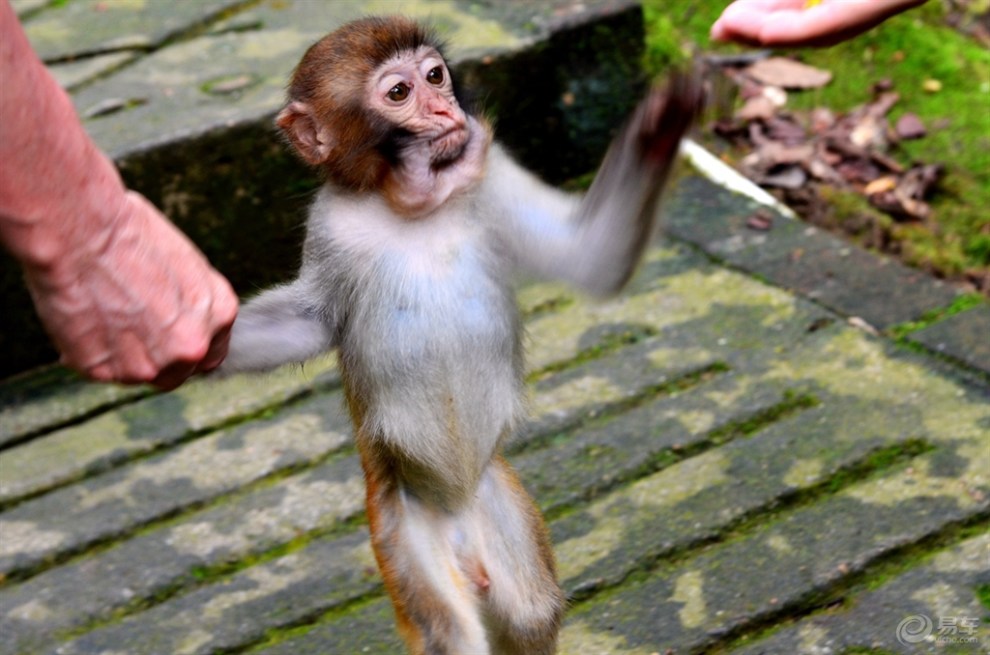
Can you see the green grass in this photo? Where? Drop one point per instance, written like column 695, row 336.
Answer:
column 907, row 49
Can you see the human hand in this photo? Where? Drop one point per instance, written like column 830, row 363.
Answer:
column 794, row 23
column 135, row 302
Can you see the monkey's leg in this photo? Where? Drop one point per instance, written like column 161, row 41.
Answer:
column 420, row 552
column 523, row 603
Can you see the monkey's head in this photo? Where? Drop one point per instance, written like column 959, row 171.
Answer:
column 367, row 94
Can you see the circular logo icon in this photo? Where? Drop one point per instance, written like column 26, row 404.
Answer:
column 914, row 629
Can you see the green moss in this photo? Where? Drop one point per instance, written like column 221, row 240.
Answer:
column 791, row 403
column 548, row 306
column 961, row 304
column 609, row 343
column 983, row 595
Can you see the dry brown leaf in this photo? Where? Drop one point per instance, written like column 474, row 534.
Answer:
column 761, row 220
column 789, row 74
column 758, row 108
column 881, row 185
column 775, row 153
column 790, row 176
column 909, row 126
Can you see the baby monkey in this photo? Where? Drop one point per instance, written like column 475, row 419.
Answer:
column 409, row 249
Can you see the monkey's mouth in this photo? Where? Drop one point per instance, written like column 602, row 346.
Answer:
column 448, row 146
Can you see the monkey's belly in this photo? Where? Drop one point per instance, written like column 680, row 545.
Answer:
column 440, row 373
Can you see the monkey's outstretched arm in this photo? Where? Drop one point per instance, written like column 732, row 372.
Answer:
column 595, row 242
column 277, row 327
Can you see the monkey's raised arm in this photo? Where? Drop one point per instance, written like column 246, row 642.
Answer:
column 595, row 242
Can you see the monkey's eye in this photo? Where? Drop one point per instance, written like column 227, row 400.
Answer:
column 435, row 76
column 399, row 92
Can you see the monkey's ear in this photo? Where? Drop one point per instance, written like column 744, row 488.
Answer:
column 312, row 140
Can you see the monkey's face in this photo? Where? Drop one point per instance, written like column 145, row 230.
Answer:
column 413, row 91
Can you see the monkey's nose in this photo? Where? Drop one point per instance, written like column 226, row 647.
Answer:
column 440, row 106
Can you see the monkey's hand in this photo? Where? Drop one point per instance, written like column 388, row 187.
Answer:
column 279, row 326
column 618, row 216
column 663, row 118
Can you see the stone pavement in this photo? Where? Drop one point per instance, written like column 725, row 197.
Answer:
column 772, row 442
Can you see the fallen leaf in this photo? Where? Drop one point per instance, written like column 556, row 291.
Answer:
column 789, row 74
column 784, row 129
column 858, row 171
column 761, row 220
column 880, row 86
column 821, row 170
column 883, row 104
column 881, row 185
column 788, row 177
column 774, row 153
column 931, row 86
column 887, row 162
column 822, row 119
column 758, row 108
column 776, row 95
column 869, row 132
column 909, row 126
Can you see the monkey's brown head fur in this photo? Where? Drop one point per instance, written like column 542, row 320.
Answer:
column 326, row 117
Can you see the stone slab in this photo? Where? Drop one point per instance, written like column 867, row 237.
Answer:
column 766, row 573
column 363, row 631
column 102, row 507
column 25, row 8
column 933, row 608
column 73, row 74
column 843, row 277
column 964, row 337
column 609, row 540
column 149, row 424
column 155, row 562
column 241, row 609
column 82, row 27
column 48, row 398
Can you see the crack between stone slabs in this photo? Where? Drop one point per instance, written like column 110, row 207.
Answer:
column 105, row 542
column 111, row 462
column 110, row 405
column 871, row 464
column 599, row 413
column 303, row 625
column 608, row 344
column 187, row 33
column 966, row 373
column 897, row 560
column 791, row 403
column 202, row 576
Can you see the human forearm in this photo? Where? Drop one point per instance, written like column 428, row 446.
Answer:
column 124, row 295
column 51, row 168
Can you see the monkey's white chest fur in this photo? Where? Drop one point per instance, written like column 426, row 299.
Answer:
column 431, row 338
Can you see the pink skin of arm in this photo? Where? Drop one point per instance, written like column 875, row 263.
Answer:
column 791, row 23
column 124, row 295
